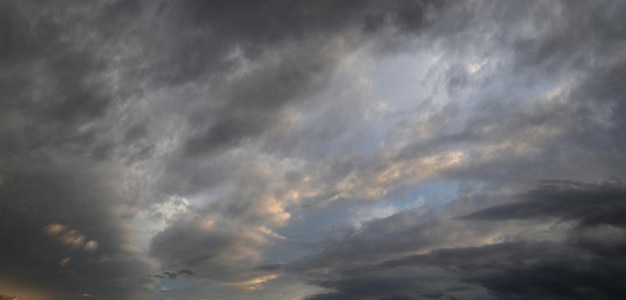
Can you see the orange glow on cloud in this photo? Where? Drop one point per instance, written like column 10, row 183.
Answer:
column 23, row 291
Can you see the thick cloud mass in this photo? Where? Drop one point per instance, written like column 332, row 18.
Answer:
column 404, row 149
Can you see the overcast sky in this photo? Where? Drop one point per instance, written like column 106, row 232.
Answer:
column 309, row 150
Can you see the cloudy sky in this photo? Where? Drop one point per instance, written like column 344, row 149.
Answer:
column 309, row 150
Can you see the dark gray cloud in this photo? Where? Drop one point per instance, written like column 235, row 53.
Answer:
column 587, row 204
column 253, row 92
column 541, row 271
column 580, row 259
column 65, row 240
column 64, row 230
column 312, row 149
column 50, row 80
column 270, row 267
column 235, row 52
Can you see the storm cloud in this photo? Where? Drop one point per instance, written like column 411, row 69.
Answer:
column 404, row 149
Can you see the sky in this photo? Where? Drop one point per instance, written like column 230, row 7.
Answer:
column 312, row 150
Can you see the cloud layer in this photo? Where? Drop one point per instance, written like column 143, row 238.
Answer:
column 409, row 149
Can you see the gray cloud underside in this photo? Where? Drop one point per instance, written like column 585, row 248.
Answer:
column 89, row 90
column 206, row 129
column 570, row 259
